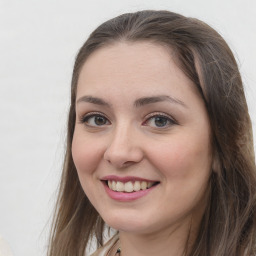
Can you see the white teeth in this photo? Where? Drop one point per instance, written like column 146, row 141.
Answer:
column 109, row 184
column 120, row 186
column 129, row 186
column 136, row 186
column 113, row 186
column 143, row 185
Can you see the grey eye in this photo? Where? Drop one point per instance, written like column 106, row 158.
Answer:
column 160, row 121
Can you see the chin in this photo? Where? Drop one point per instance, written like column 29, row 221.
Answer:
column 127, row 223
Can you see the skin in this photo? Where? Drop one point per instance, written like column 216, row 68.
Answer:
column 130, row 143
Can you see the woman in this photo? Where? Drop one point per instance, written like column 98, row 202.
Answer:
column 159, row 143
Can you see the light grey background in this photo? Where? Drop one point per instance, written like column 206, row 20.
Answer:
column 38, row 44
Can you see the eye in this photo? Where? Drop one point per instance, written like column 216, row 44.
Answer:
column 159, row 121
column 95, row 120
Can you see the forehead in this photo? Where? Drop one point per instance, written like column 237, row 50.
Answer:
column 124, row 55
column 126, row 66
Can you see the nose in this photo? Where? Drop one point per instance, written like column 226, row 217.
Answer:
column 124, row 148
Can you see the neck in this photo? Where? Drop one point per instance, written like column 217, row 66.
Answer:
column 173, row 241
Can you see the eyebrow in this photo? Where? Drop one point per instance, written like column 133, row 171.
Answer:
column 138, row 103
column 94, row 100
column 149, row 100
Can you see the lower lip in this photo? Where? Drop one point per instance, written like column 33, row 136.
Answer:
column 124, row 196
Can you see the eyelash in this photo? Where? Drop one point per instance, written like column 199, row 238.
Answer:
column 171, row 121
column 84, row 119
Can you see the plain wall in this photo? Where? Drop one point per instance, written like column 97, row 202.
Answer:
column 38, row 44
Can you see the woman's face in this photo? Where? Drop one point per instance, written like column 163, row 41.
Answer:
column 141, row 143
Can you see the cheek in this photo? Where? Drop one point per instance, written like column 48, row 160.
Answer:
column 182, row 157
column 86, row 154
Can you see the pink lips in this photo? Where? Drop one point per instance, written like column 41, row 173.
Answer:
column 124, row 196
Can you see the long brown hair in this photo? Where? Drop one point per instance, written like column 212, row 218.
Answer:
column 229, row 223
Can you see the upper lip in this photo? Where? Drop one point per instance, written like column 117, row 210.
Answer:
column 125, row 178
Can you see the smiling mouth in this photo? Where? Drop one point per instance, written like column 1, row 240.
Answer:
column 130, row 186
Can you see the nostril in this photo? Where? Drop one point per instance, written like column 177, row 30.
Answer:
column 123, row 155
column 127, row 163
